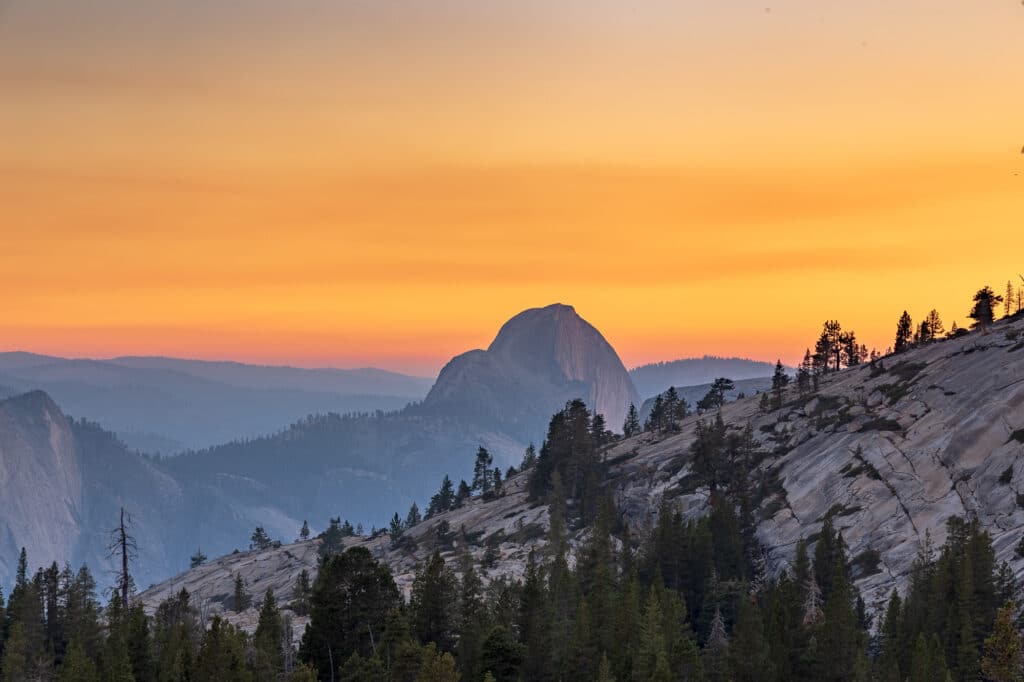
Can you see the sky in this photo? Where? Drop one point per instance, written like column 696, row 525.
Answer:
column 384, row 182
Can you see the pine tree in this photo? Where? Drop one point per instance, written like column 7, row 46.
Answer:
column 332, row 540
column 438, row 666
column 812, row 612
column 749, row 650
column 259, row 540
column 413, row 517
column 443, row 500
column 529, row 458
column 304, row 531
column 599, row 432
column 471, row 620
column 78, row 667
column 927, row 663
column 804, row 374
column 651, row 660
column 14, row 665
column 268, row 639
column 351, row 598
column 301, row 592
column 889, row 658
column 1003, row 659
column 904, row 333
column 983, row 311
column 716, row 651
column 432, row 601
column 1008, row 299
column 482, row 471
column 396, row 528
column 631, row 426
column 221, row 655
column 501, row 655
column 462, row 494
column 197, row 559
column 935, row 327
column 240, row 600
column 779, row 382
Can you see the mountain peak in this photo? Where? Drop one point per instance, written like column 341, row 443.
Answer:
column 539, row 359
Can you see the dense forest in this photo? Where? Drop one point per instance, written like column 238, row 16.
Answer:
column 687, row 599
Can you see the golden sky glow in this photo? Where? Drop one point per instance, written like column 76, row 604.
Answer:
column 383, row 182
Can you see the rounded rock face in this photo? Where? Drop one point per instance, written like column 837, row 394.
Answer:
column 540, row 358
column 40, row 482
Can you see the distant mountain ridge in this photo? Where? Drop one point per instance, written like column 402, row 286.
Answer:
column 746, row 387
column 361, row 467
column 887, row 452
column 169, row 405
column 655, row 378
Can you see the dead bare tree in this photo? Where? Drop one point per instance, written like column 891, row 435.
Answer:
column 123, row 547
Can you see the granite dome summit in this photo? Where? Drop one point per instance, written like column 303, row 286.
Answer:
column 539, row 359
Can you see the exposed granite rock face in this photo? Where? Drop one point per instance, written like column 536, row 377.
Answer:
column 62, row 484
column 505, row 529
column 540, row 358
column 891, row 454
column 40, row 482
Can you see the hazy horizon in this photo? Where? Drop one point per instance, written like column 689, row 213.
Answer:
column 383, row 184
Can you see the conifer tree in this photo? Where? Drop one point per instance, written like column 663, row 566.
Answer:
column 904, row 333
column 889, row 658
column 599, row 430
column 804, row 374
column 631, row 426
column 748, row 649
column 983, row 311
column 935, row 327
column 221, row 655
column 332, row 540
column 259, row 540
column 413, row 517
column 1003, row 659
column 482, row 471
column 927, row 662
column 779, row 382
column 304, row 531
column 716, row 651
column 462, row 494
column 431, row 603
column 438, row 666
column 396, row 528
column 496, row 482
column 443, row 500
column 77, row 666
column 501, row 655
column 529, row 458
column 471, row 622
column 351, row 598
column 14, row 665
column 268, row 639
column 651, row 660
column 197, row 559
column 240, row 599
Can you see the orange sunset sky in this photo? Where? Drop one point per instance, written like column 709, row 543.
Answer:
column 384, row 182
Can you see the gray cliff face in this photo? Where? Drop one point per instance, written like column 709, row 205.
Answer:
column 540, row 359
column 40, row 482
column 890, row 454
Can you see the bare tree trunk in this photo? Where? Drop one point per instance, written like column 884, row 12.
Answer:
column 124, row 561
